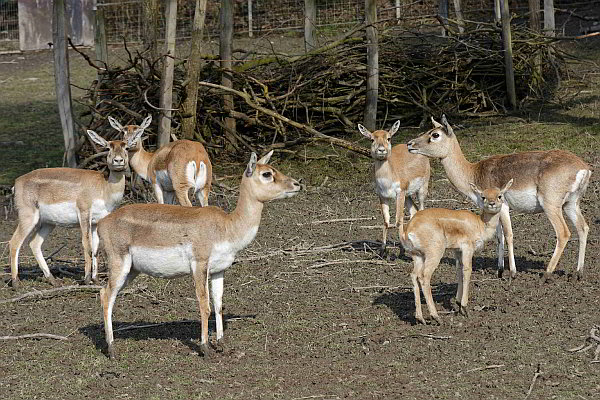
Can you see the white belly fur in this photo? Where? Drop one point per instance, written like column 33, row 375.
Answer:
column 524, row 200
column 163, row 262
column 65, row 213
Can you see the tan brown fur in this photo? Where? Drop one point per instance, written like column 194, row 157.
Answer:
column 206, row 238
column 48, row 197
column 430, row 232
column 172, row 158
column 398, row 175
column 549, row 181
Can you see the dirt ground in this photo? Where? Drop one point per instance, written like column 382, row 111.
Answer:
column 312, row 312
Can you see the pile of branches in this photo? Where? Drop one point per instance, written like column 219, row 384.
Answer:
column 282, row 101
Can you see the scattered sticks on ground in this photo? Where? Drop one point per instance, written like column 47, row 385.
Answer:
column 538, row 372
column 35, row 336
column 592, row 340
column 39, row 293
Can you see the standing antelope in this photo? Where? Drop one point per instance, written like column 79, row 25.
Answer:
column 434, row 230
column 549, row 181
column 398, row 175
column 173, row 169
column 169, row 241
column 48, row 197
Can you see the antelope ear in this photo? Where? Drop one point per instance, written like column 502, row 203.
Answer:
column 476, row 189
column 97, row 138
column 395, row 128
column 436, row 124
column 115, row 124
column 506, row 187
column 447, row 126
column 251, row 165
column 146, row 122
column 265, row 159
column 365, row 131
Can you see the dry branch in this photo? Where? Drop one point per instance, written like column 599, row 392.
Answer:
column 35, row 336
column 38, row 293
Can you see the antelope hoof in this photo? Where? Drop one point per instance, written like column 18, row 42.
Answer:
column 579, row 275
column 546, row 278
column 420, row 319
column 111, row 352
column 87, row 280
column 16, row 283
column 206, row 351
column 52, row 280
column 220, row 346
column 437, row 319
column 500, row 272
column 463, row 311
column 383, row 253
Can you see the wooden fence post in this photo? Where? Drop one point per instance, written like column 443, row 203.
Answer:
column 370, row 117
column 508, row 61
column 549, row 25
column 310, row 25
column 62, row 80
column 226, row 55
column 443, row 12
column 459, row 16
column 166, row 82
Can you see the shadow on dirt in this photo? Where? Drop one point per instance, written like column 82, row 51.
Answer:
column 185, row 331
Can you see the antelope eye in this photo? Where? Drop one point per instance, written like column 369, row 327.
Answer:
column 267, row 174
column 435, row 135
column 500, row 197
column 389, row 139
column 482, row 198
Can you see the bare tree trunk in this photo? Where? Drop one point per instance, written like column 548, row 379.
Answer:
column 194, row 64
column 166, row 82
column 62, row 78
column 372, row 65
column 459, row 16
column 310, row 25
column 150, row 15
column 226, row 55
column 534, row 24
column 443, row 12
column 100, row 37
column 398, row 12
column 497, row 11
column 508, row 61
column 549, row 25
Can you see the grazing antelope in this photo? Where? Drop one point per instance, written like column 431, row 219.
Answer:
column 549, row 181
column 398, row 175
column 169, row 241
column 434, row 230
column 173, row 169
column 48, row 197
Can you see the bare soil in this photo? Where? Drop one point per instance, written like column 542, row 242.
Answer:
column 308, row 322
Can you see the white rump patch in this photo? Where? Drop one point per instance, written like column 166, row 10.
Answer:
column 223, row 253
column 163, row 262
column 196, row 179
column 580, row 184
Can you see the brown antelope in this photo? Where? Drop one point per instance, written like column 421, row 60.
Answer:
column 173, row 169
column 549, row 181
column 169, row 241
column 48, row 197
column 398, row 175
column 434, row 230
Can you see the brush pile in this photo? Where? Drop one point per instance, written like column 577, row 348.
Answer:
column 282, row 101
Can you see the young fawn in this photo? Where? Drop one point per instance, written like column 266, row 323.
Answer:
column 430, row 232
column 398, row 175
column 170, row 241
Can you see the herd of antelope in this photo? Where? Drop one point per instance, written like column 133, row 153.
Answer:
column 169, row 240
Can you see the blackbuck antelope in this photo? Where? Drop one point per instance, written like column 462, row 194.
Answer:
column 430, row 232
column 169, row 241
column 398, row 175
column 48, row 197
column 173, row 169
column 549, row 181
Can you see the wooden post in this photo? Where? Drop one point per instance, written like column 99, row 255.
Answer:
column 398, row 13
column 166, row 83
column 459, row 16
column 100, row 37
column 226, row 55
column 508, row 61
column 62, row 80
column 150, row 16
column 310, row 25
column 549, row 25
column 250, row 34
column 370, row 117
column 534, row 15
column 194, row 63
column 443, row 12
column 497, row 11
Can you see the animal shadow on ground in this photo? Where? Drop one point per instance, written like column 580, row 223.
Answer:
column 60, row 269
column 186, row 331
